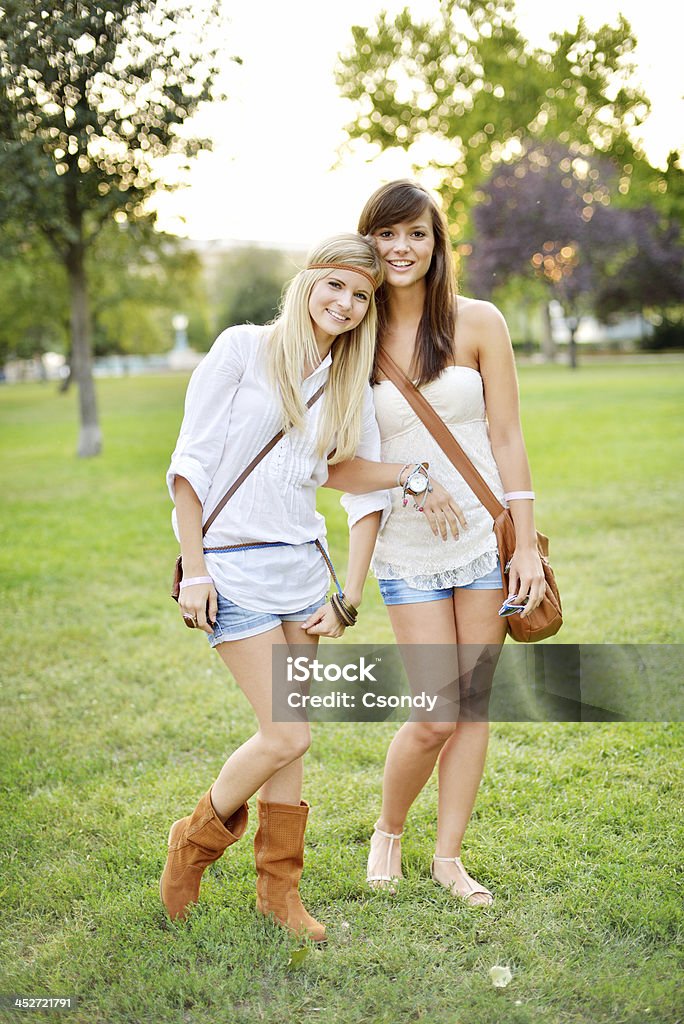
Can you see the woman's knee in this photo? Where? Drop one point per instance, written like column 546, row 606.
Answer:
column 431, row 735
column 288, row 744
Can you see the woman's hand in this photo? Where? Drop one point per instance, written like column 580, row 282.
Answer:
column 526, row 579
column 324, row 622
column 200, row 603
column 442, row 512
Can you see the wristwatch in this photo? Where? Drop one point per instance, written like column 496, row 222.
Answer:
column 417, row 481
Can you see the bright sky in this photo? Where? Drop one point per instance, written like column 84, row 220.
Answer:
column 270, row 176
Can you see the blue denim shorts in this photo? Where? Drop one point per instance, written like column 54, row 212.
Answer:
column 399, row 592
column 236, row 623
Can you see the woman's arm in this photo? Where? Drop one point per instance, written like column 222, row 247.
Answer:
column 359, row 476
column 200, row 600
column 497, row 368
column 362, row 537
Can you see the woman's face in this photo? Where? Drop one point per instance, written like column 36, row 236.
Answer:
column 338, row 303
column 406, row 249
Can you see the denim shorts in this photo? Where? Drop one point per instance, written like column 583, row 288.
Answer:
column 236, row 623
column 399, row 592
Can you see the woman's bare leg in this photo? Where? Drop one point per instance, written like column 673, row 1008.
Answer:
column 276, row 747
column 462, row 759
column 414, row 750
column 285, row 786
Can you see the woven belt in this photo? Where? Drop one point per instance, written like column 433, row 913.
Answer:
column 281, row 544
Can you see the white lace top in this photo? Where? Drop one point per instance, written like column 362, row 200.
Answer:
column 407, row 548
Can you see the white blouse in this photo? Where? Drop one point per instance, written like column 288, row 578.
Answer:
column 406, row 547
column 231, row 412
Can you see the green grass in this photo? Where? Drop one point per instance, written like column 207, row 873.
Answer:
column 114, row 719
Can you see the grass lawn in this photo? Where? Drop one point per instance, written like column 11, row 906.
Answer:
column 115, row 719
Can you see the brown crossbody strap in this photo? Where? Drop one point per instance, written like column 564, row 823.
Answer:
column 253, row 464
column 441, row 433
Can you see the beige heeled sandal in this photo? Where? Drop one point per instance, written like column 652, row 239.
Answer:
column 474, row 888
column 381, row 881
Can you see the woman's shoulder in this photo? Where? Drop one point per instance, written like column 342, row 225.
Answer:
column 477, row 313
column 242, row 334
column 480, row 329
column 240, row 339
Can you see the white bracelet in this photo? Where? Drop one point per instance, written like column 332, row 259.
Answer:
column 516, row 495
column 194, row 580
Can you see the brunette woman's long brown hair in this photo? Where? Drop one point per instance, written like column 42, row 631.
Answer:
column 406, row 200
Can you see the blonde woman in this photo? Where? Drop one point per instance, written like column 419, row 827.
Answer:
column 257, row 577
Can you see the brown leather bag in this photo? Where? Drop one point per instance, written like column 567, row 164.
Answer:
column 547, row 618
column 178, row 567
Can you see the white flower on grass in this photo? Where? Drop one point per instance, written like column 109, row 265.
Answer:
column 500, row 976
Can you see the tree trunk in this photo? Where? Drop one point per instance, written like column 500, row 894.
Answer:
column 90, row 438
column 548, row 344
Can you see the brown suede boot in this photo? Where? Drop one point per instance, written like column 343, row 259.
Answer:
column 279, row 855
column 194, row 843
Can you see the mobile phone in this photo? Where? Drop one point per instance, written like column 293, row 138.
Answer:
column 507, row 608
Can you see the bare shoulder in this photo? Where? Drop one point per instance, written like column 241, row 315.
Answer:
column 477, row 314
column 480, row 330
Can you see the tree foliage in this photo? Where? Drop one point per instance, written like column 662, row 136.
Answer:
column 248, row 285
column 34, row 301
column 549, row 217
column 651, row 272
column 466, row 92
column 139, row 278
column 92, row 98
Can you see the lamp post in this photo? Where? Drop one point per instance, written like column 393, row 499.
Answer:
column 180, row 327
column 181, row 356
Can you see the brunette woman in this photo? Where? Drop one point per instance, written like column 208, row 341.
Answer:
column 459, row 353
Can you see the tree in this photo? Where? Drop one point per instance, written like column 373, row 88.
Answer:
column 248, row 285
column 548, row 216
column 651, row 275
column 466, row 91
column 137, row 277
column 33, row 299
column 92, row 97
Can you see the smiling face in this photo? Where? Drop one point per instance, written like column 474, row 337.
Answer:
column 406, row 249
column 338, row 303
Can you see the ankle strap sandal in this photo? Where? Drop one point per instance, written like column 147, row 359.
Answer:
column 392, row 836
column 474, row 888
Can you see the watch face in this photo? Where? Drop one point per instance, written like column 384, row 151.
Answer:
column 416, row 483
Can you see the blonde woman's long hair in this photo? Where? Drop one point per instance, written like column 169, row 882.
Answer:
column 292, row 347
